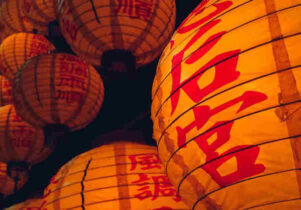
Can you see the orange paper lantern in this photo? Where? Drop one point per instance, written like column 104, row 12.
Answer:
column 14, row 19
column 19, row 141
column 30, row 204
column 5, row 92
column 121, row 176
column 18, row 48
column 58, row 89
column 226, row 101
column 141, row 27
column 7, row 184
column 40, row 12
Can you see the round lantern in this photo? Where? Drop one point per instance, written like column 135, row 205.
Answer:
column 127, row 33
column 40, row 12
column 225, row 108
column 7, row 184
column 18, row 48
column 30, row 204
column 21, row 145
column 12, row 14
column 58, row 90
column 122, row 175
column 5, row 92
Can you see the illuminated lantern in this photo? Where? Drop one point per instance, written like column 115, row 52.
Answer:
column 18, row 48
column 5, row 92
column 121, row 175
column 30, row 204
column 21, row 145
column 7, row 184
column 40, row 12
column 58, row 90
column 123, row 31
column 226, row 105
column 12, row 14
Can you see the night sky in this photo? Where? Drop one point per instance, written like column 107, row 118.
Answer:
column 127, row 99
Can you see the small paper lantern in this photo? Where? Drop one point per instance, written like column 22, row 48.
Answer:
column 136, row 27
column 226, row 105
column 18, row 48
column 122, row 176
column 7, row 184
column 58, row 89
column 30, row 204
column 15, row 20
column 40, row 12
column 5, row 92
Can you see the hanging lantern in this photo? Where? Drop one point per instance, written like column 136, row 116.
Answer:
column 21, row 145
column 15, row 20
column 5, row 92
column 40, row 12
column 30, row 204
column 7, row 185
column 122, row 175
column 58, row 90
column 120, row 33
column 18, row 48
column 226, row 105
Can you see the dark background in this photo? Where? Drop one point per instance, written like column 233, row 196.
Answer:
column 126, row 100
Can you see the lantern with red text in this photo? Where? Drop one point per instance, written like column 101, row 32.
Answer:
column 16, row 49
column 5, row 92
column 40, row 12
column 226, row 105
column 121, row 33
column 30, row 204
column 14, row 19
column 7, row 184
column 21, row 145
column 58, row 91
column 121, row 175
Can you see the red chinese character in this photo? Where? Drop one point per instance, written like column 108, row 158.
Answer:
column 146, row 162
column 143, row 9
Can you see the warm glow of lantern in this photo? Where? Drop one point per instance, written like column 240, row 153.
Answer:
column 5, row 92
column 226, row 101
column 40, row 12
column 19, row 141
column 7, row 184
column 142, row 27
column 58, row 89
column 12, row 13
column 121, row 175
column 18, row 48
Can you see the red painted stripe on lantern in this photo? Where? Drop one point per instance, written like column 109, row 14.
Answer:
column 53, row 101
column 116, row 32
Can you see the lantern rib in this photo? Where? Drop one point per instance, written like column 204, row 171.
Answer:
column 221, row 92
column 217, row 37
column 256, row 177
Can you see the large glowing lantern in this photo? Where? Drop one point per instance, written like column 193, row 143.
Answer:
column 121, row 175
column 226, row 105
column 58, row 89
column 5, row 92
column 14, row 19
column 40, row 12
column 120, row 28
column 30, row 204
column 18, row 48
column 7, row 184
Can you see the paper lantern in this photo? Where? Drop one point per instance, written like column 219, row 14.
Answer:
column 7, row 184
column 15, row 20
column 135, row 27
column 40, row 12
column 58, row 89
column 30, row 204
column 18, row 48
column 5, row 92
column 226, row 105
column 122, row 175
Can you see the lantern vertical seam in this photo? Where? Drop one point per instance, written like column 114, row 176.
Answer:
column 94, row 10
column 36, row 63
column 82, row 184
column 53, row 100
column 19, row 9
column 116, row 31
